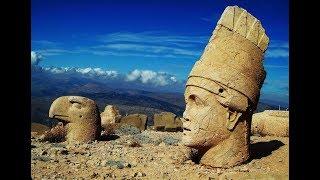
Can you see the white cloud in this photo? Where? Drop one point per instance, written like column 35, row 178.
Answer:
column 278, row 44
column 54, row 52
column 278, row 49
column 147, row 76
column 93, row 72
column 277, row 53
column 45, row 43
column 276, row 66
column 138, row 76
column 35, row 58
column 173, row 78
column 151, row 77
column 153, row 37
column 143, row 50
column 206, row 19
column 134, row 75
column 150, row 44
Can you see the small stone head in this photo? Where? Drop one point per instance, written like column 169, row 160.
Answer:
column 79, row 115
column 111, row 114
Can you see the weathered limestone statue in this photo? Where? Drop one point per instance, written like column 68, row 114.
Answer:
column 223, row 89
column 137, row 120
column 271, row 123
column 110, row 115
column 167, row 121
column 79, row 115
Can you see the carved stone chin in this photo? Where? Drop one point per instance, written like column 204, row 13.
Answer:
column 223, row 89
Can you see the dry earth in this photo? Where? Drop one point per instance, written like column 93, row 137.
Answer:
column 151, row 155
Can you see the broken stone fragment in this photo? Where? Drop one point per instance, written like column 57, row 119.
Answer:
column 137, row 120
column 110, row 115
column 270, row 123
column 167, row 121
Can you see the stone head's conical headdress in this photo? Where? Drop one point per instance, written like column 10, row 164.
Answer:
column 233, row 57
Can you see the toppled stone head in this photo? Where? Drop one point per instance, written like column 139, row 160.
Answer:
column 80, row 117
column 223, row 89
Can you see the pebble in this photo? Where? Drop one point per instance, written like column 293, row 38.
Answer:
column 64, row 152
column 94, row 175
column 139, row 174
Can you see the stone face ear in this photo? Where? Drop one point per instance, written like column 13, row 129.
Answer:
column 232, row 119
column 235, row 101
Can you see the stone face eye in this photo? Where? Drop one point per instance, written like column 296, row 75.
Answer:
column 192, row 97
column 76, row 105
column 195, row 99
column 220, row 90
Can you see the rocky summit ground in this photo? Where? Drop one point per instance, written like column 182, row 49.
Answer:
column 151, row 155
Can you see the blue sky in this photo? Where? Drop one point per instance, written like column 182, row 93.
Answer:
column 154, row 36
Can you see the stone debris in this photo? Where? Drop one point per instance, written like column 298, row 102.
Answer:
column 167, row 121
column 137, row 120
column 270, row 123
column 115, row 159
column 110, row 115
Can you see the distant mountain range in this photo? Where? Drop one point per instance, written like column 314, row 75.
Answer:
column 45, row 88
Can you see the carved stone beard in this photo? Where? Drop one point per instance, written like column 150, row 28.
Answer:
column 205, row 129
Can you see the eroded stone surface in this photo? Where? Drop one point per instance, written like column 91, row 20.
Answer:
column 271, row 123
column 109, row 116
column 223, row 90
column 80, row 117
column 167, row 121
column 137, row 120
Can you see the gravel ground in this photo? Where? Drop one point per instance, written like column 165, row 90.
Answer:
column 151, row 155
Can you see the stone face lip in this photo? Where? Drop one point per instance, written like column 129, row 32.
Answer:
column 79, row 115
column 110, row 115
column 167, row 121
column 271, row 123
column 223, row 89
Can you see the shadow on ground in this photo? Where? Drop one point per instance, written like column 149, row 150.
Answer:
column 263, row 149
column 109, row 137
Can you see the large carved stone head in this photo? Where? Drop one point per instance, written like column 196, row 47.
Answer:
column 79, row 115
column 223, row 89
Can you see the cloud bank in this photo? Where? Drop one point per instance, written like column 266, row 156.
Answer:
column 154, row 44
column 35, row 58
column 151, row 77
column 278, row 49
